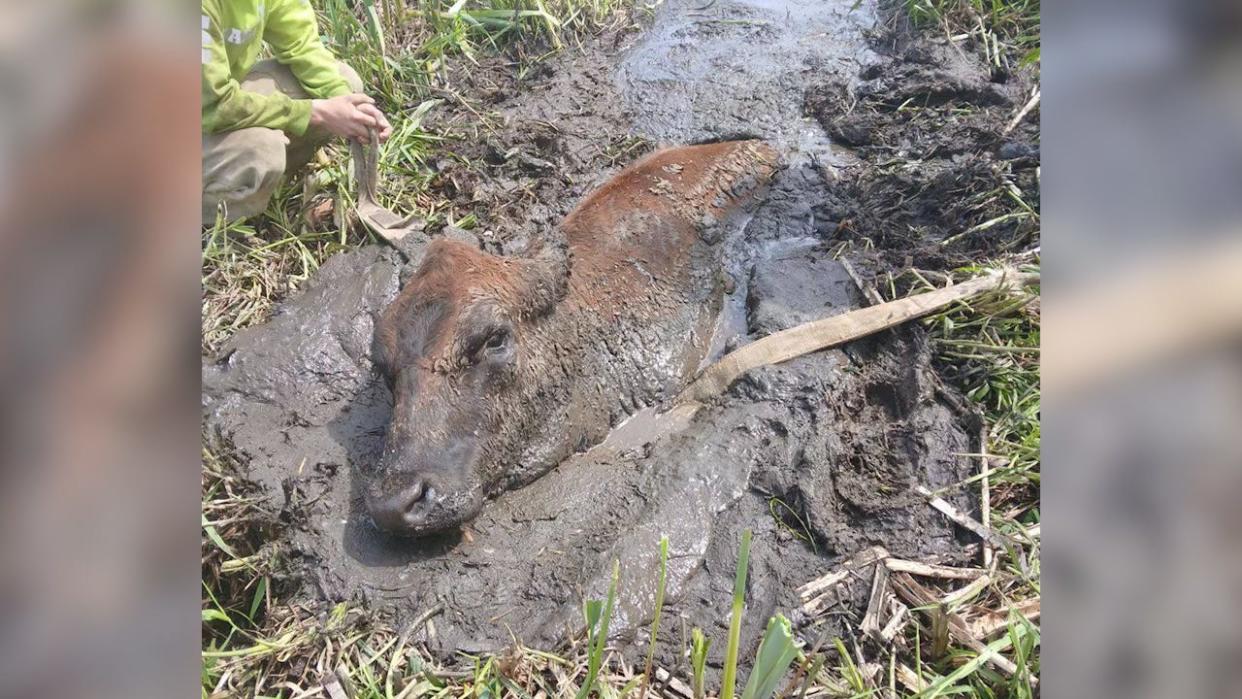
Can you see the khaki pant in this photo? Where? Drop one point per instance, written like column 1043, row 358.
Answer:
column 242, row 168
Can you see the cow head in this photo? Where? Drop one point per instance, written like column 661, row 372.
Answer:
column 450, row 347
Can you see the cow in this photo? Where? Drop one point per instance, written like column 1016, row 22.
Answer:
column 503, row 366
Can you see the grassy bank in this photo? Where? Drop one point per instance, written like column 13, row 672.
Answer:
column 256, row 642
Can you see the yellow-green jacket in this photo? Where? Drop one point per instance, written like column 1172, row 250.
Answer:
column 233, row 31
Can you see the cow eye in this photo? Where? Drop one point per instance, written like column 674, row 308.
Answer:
column 496, row 340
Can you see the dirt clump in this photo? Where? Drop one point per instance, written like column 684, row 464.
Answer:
column 943, row 182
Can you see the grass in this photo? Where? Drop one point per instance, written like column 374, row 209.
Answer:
column 777, row 651
column 1002, row 28
column 735, row 618
column 699, row 645
column 598, row 615
column 257, row 642
column 989, row 348
column 661, row 588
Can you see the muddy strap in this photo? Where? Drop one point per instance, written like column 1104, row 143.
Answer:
column 386, row 224
column 839, row 329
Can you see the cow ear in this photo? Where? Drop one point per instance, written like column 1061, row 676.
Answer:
column 383, row 344
column 543, row 274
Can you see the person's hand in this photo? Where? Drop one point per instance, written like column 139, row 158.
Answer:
column 381, row 121
column 349, row 116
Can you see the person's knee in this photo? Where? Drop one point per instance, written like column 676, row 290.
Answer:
column 257, row 159
column 243, row 171
column 269, row 155
column 351, row 76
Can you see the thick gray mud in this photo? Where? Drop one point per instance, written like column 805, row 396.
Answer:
column 738, row 68
column 836, row 439
column 817, row 456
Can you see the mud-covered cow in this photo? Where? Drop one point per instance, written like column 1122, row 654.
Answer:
column 501, row 367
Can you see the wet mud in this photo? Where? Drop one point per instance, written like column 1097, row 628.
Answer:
column 833, row 440
column 730, row 68
column 938, row 162
column 818, row 456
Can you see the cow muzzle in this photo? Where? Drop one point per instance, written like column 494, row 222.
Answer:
column 410, row 504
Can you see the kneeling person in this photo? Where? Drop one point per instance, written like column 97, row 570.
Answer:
column 263, row 118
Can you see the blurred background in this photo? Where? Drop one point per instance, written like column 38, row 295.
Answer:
column 98, row 331
column 99, row 289
column 1142, row 372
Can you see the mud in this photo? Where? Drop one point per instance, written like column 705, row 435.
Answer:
column 818, row 456
column 298, row 400
column 707, row 70
column 927, row 121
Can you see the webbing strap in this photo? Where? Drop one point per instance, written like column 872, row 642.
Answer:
column 385, row 223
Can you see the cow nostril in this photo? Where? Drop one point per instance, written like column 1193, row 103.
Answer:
column 402, row 507
column 417, row 495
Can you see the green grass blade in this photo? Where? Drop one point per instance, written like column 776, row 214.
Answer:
column 849, row 671
column 776, row 652
column 946, row 684
column 259, row 591
column 698, row 660
column 655, row 621
column 376, row 29
column 597, row 631
column 735, row 622
column 215, row 538
column 811, row 674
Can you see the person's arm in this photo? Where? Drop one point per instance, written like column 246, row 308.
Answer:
column 227, row 107
column 293, row 33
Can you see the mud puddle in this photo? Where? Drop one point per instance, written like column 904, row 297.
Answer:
column 817, row 456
